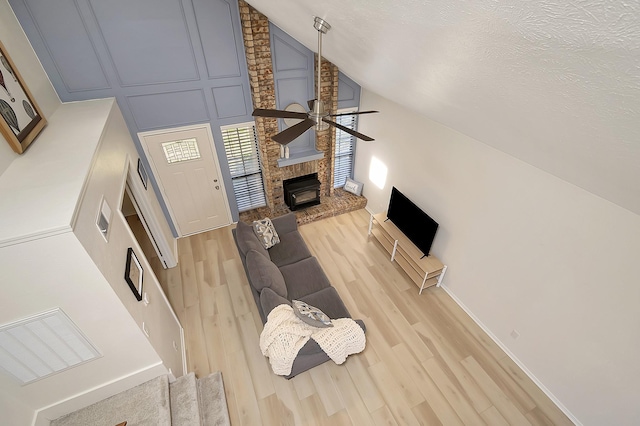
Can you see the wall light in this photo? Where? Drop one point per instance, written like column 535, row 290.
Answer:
column 377, row 172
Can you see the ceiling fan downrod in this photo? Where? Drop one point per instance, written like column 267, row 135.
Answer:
column 318, row 112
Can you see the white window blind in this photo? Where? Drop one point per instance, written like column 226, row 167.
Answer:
column 345, row 148
column 241, row 146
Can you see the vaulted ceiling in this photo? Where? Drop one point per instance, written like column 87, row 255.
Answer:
column 555, row 84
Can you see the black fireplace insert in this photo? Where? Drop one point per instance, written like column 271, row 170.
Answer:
column 302, row 191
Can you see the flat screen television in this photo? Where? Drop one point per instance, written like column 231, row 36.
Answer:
column 412, row 221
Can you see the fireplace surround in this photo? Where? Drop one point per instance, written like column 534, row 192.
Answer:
column 333, row 201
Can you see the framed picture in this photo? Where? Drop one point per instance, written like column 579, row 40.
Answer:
column 133, row 274
column 142, row 172
column 20, row 117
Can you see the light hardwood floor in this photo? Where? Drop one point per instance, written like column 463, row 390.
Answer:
column 426, row 361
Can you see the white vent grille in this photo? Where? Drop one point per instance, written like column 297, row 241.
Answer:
column 42, row 345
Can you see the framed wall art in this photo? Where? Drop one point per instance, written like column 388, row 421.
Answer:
column 20, row 117
column 133, row 274
column 142, row 173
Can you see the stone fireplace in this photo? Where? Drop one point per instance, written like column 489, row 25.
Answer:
column 255, row 29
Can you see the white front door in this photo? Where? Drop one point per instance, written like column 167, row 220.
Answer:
column 186, row 168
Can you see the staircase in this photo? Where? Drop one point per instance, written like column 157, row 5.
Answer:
column 185, row 402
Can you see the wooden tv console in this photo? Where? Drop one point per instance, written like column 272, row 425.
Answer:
column 425, row 271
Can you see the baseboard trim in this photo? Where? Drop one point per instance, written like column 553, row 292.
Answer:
column 526, row 371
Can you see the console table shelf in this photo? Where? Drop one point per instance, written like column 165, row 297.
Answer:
column 425, row 271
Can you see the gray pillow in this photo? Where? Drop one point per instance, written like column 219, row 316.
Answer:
column 264, row 273
column 310, row 314
column 247, row 240
column 266, row 232
column 353, row 186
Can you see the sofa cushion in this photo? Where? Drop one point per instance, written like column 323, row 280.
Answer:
column 291, row 249
column 266, row 233
column 329, row 301
column 285, row 224
column 269, row 299
column 264, row 273
column 247, row 240
column 303, row 278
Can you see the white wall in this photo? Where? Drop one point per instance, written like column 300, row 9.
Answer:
column 116, row 157
column 44, row 265
column 525, row 251
column 65, row 277
column 13, row 411
column 22, row 54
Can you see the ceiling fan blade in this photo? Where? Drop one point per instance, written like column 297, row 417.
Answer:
column 310, row 103
column 286, row 136
column 276, row 113
column 348, row 130
column 353, row 113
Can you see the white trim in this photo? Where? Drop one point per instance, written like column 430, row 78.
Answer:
column 163, row 249
column 92, row 395
column 236, row 125
column 129, row 176
column 184, row 350
column 526, row 371
column 349, row 109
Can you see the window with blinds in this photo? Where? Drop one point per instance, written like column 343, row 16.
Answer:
column 241, row 147
column 345, row 149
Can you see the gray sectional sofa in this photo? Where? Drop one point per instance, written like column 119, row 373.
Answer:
column 285, row 272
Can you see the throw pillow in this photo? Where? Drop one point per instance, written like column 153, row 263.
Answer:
column 264, row 273
column 353, row 186
column 266, row 232
column 310, row 314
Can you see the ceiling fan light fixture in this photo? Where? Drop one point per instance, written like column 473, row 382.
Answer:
column 321, row 126
column 317, row 113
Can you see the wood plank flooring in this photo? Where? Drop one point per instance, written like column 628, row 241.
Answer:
column 426, row 361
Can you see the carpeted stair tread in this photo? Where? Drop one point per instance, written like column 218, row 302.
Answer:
column 212, row 401
column 184, row 401
column 144, row 405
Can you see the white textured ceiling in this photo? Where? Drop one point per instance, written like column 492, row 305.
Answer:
column 553, row 83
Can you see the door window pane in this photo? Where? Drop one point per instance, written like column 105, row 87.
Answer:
column 181, row 150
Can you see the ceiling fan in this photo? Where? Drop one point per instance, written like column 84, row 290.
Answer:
column 318, row 116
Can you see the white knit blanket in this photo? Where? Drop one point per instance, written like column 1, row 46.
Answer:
column 285, row 334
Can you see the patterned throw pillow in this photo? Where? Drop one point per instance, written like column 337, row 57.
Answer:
column 266, row 232
column 311, row 315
